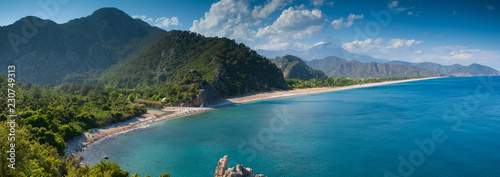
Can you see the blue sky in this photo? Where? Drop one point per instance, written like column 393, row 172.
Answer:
column 444, row 32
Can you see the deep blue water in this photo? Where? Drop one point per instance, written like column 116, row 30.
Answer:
column 360, row 132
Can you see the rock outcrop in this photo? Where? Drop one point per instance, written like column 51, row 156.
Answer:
column 239, row 171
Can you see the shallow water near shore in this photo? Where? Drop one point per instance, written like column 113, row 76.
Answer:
column 360, row 132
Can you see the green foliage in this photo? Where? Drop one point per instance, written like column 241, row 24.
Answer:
column 114, row 94
column 47, row 117
column 100, row 169
column 131, row 98
column 295, row 68
column 181, row 63
column 165, row 175
column 335, row 82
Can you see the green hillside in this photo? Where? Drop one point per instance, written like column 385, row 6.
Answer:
column 185, row 62
column 294, row 68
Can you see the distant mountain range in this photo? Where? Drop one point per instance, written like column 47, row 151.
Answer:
column 338, row 67
column 334, row 49
column 454, row 70
column 111, row 47
column 322, row 50
column 294, row 68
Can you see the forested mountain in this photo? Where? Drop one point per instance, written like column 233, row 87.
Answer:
column 111, row 47
column 455, row 70
column 337, row 67
column 45, row 52
column 294, row 68
column 185, row 62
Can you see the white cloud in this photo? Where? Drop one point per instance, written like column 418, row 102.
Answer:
column 226, row 18
column 318, row 2
column 144, row 18
column 379, row 46
column 464, row 54
column 270, row 7
column 293, row 24
column 447, row 48
column 339, row 23
column 410, row 13
column 363, row 46
column 166, row 22
column 242, row 20
column 490, row 7
column 454, row 12
column 273, row 46
column 394, row 4
column 162, row 22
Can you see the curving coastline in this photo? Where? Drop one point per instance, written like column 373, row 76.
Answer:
column 79, row 143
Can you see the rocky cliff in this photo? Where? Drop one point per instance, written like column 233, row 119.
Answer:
column 239, row 171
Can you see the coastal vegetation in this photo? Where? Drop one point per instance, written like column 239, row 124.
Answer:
column 50, row 116
column 336, row 82
column 111, row 78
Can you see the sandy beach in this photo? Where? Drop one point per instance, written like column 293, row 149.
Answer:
column 79, row 143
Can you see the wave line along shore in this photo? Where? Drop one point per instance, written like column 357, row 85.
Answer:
column 79, row 143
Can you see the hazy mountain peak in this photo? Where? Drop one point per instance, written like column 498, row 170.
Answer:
column 321, row 50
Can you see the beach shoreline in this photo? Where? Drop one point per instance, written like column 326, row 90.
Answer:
column 79, row 143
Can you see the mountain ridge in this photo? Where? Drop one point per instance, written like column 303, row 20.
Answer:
column 454, row 70
column 52, row 51
column 338, row 67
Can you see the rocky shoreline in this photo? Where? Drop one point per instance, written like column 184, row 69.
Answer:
column 239, row 171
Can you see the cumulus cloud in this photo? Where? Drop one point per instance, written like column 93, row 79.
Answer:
column 242, row 20
column 398, row 43
column 463, row 54
column 490, row 7
column 270, row 7
column 380, row 46
column 226, row 18
column 363, row 46
column 339, row 23
column 293, row 24
column 162, row 22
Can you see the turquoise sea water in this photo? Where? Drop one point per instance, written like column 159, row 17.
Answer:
column 438, row 127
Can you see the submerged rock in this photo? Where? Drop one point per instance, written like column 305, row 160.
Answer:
column 239, row 171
